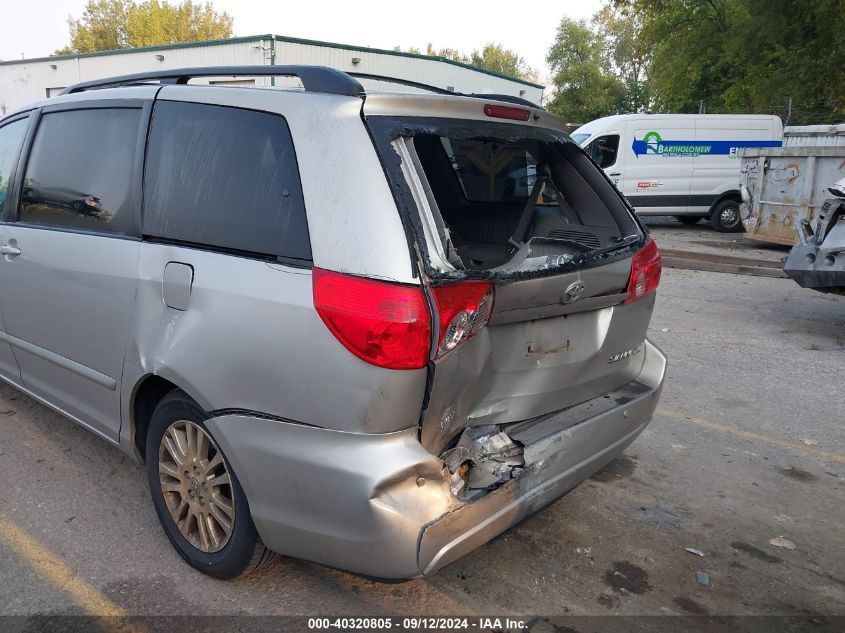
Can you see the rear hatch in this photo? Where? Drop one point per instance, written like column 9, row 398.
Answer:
column 526, row 251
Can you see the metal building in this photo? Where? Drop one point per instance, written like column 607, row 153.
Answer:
column 28, row 80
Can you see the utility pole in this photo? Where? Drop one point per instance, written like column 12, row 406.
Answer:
column 701, row 107
column 788, row 111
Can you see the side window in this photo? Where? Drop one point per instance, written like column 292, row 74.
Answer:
column 80, row 170
column 225, row 178
column 11, row 136
column 604, row 149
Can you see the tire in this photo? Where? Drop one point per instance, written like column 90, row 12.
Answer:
column 216, row 551
column 688, row 219
column 725, row 217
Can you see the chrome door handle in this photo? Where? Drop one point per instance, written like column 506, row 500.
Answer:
column 9, row 250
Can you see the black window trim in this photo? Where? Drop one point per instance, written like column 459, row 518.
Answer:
column 145, row 105
column 268, row 258
column 286, row 260
column 11, row 190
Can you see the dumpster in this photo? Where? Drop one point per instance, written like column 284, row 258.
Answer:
column 781, row 186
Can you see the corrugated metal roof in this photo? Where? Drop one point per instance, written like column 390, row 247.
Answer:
column 280, row 38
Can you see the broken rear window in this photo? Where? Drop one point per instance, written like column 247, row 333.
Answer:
column 503, row 199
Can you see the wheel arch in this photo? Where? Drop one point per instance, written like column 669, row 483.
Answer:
column 146, row 395
column 732, row 194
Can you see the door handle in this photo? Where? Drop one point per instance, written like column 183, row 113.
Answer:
column 11, row 251
column 615, row 173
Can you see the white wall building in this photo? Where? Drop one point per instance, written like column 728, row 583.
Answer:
column 28, row 80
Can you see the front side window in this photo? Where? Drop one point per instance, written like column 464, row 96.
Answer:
column 80, row 170
column 11, row 136
column 226, row 178
column 604, row 149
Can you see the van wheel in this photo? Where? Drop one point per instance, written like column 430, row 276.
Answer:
column 197, row 496
column 688, row 219
column 725, row 217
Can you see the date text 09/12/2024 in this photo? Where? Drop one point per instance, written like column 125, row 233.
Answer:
column 418, row 623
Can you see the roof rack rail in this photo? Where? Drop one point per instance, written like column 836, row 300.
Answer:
column 321, row 79
column 443, row 91
column 314, row 78
column 404, row 82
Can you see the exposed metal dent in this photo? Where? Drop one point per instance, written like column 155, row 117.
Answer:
column 513, row 501
column 559, row 451
column 515, row 371
column 484, row 458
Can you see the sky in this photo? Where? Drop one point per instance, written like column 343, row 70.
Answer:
column 525, row 27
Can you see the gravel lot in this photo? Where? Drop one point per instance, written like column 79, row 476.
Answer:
column 748, row 445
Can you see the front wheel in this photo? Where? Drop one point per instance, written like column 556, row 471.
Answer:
column 725, row 217
column 197, row 496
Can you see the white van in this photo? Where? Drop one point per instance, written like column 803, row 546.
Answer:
column 684, row 165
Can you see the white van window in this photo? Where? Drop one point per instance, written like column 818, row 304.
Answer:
column 604, row 149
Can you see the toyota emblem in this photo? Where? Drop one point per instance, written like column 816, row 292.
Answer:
column 573, row 292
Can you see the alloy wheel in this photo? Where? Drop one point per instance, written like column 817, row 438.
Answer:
column 196, row 486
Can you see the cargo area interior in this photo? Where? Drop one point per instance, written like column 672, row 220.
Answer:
column 517, row 204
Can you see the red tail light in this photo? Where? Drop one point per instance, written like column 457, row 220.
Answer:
column 385, row 324
column 645, row 272
column 464, row 309
column 507, row 112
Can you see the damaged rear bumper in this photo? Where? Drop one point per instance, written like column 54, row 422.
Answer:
column 560, row 452
column 381, row 505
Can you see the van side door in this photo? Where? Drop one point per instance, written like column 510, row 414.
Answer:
column 69, row 276
column 12, row 134
column 659, row 165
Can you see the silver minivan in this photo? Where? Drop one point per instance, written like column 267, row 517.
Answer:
column 372, row 330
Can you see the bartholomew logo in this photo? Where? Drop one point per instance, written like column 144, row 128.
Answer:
column 653, row 143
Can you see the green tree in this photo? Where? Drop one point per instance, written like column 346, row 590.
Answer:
column 115, row 24
column 492, row 57
column 585, row 87
column 628, row 54
column 745, row 55
column 102, row 27
column 448, row 53
column 498, row 59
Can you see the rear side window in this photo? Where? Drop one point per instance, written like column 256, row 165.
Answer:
column 11, row 136
column 225, row 178
column 80, row 170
